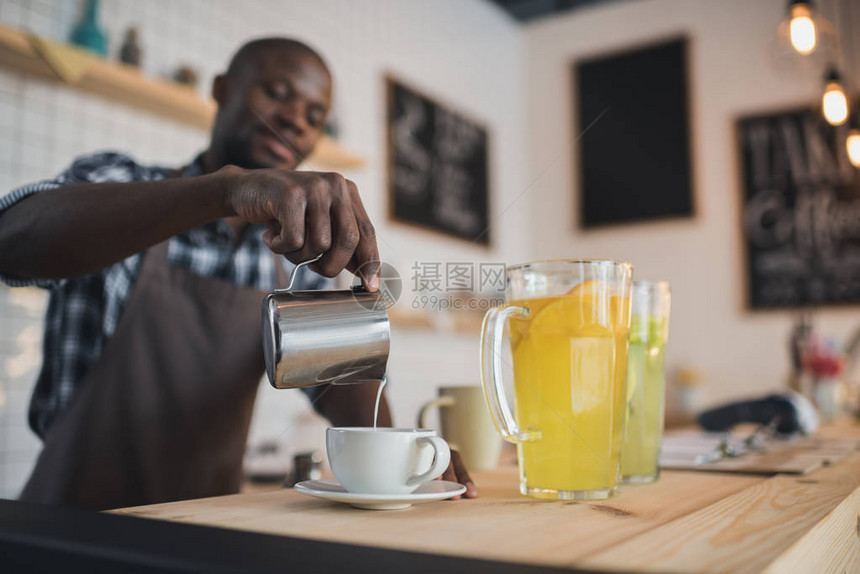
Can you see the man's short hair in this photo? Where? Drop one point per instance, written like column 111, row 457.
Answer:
column 248, row 55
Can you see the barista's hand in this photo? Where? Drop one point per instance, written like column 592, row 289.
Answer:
column 308, row 213
column 456, row 472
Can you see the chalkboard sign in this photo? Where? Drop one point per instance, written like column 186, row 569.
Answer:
column 437, row 166
column 632, row 134
column 801, row 211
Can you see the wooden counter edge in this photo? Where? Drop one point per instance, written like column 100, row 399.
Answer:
column 832, row 545
column 771, row 526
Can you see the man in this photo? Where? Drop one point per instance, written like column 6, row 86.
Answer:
column 152, row 345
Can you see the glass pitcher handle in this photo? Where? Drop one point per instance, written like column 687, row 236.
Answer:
column 491, row 373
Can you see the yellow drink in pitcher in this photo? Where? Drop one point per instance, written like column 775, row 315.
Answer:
column 570, row 369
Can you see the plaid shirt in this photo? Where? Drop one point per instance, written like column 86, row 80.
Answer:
column 83, row 311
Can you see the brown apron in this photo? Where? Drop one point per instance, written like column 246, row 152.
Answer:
column 164, row 413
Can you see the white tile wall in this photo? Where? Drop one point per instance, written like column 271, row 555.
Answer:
column 467, row 51
column 21, row 313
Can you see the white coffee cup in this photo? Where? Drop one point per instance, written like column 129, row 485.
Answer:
column 385, row 460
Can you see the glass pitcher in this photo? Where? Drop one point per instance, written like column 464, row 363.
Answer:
column 569, row 326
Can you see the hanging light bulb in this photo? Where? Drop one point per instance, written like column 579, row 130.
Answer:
column 852, row 143
column 804, row 38
column 834, row 103
column 802, row 30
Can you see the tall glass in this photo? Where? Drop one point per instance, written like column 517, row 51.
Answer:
column 646, row 382
column 569, row 325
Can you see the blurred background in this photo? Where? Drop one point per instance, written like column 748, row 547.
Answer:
column 515, row 69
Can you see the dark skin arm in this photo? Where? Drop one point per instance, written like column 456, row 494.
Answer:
column 62, row 233
column 352, row 405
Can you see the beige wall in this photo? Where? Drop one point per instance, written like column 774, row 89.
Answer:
column 732, row 73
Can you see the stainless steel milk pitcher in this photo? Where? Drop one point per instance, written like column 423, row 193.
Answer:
column 316, row 337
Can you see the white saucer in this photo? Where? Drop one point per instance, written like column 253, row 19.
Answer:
column 330, row 489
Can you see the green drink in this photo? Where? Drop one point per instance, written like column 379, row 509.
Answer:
column 646, row 379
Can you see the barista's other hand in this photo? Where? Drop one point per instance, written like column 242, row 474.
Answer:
column 456, row 472
column 308, row 213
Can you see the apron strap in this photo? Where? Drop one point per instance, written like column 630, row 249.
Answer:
column 155, row 256
column 159, row 251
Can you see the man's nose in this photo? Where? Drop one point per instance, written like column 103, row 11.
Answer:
column 291, row 114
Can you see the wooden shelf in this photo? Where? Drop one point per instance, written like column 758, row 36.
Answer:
column 126, row 84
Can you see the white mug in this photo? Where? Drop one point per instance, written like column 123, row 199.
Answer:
column 466, row 425
column 385, row 460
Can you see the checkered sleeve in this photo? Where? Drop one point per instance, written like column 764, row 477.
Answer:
column 94, row 168
column 8, row 201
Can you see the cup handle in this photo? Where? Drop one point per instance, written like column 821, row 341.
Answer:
column 441, row 458
column 445, row 401
column 491, row 374
column 441, row 402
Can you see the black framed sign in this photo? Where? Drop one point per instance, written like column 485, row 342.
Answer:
column 801, row 211
column 437, row 166
column 632, row 113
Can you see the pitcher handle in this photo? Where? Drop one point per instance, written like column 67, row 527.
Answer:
column 294, row 273
column 491, row 374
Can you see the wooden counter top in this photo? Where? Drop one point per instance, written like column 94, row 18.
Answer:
column 686, row 522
